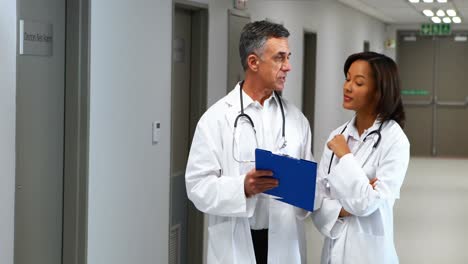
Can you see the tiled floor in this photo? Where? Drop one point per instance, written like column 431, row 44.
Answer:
column 431, row 218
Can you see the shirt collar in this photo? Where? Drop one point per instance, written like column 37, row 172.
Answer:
column 234, row 98
column 353, row 132
column 248, row 100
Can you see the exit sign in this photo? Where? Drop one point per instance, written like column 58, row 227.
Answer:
column 435, row 29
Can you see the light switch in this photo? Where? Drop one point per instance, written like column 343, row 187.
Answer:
column 156, row 132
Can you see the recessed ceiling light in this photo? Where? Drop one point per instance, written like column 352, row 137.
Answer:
column 428, row 12
column 442, row 1
column 428, row 1
column 414, row 1
column 440, row 13
column 451, row 12
column 447, row 20
column 456, row 20
column 436, row 20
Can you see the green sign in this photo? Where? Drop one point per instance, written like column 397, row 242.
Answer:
column 414, row 92
column 435, row 29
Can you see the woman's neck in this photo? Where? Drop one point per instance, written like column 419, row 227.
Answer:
column 364, row 121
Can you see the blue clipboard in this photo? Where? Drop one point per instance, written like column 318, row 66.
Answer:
column 296, row 178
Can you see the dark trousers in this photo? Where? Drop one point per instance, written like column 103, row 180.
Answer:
column 260, row 243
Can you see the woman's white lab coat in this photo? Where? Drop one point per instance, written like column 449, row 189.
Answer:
column 366, row 237
column 216, row 187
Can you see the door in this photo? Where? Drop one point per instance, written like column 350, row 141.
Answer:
column 180, row 113
column 435, row 93
column 452, row 97
column 189, row 72
column 39, row 141
column 237, row 21
column 308, row 96
column 416, row 65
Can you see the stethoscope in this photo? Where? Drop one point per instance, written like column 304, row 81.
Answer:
column 376, row 144
column 242, row 114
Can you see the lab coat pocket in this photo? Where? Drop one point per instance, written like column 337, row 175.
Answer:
column 220, row 243
column 365, row 248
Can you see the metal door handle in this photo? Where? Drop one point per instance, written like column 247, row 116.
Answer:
column 453, row 103
column 419, row 103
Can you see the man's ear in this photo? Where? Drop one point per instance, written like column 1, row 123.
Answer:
column 252, row 62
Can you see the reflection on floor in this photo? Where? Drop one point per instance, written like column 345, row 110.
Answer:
column 431, row 218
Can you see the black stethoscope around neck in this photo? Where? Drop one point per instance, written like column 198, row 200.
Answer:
column 243, row 114
column 376, row 144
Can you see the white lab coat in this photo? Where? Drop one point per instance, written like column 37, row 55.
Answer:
column 216, row 187
column 367, row 236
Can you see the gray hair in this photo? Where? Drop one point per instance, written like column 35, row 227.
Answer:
column 254, row 36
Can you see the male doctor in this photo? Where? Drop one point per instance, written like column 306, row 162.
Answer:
column 245, row 225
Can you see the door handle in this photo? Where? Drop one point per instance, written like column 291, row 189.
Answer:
column 420, row 103
column 453, row 103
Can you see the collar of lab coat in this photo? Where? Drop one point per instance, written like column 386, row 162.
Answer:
column 233, row 104
column 233, row 100
column 351, row 130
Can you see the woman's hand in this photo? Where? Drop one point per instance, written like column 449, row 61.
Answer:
column 339, row 146
column 344, row 213
column 373, row 182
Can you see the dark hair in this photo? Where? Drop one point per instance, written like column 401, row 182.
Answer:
column 255, row 34
column 387, row 82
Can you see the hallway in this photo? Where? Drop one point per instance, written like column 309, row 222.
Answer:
column 99, row 110
column 431, row 215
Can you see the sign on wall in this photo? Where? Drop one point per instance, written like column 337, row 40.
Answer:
column 435, row 29
column 35, row 38
column 414, row 92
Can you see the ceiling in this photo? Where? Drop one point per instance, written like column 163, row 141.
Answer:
column 404, row 12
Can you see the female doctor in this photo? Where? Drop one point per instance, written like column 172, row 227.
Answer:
column 363, row 166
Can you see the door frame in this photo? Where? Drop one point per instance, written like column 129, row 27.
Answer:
column 238, row 13
column 76, row 133
column 198, row 105
column 306, row 32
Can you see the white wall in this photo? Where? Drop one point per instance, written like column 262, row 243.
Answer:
column 130, row 86
column 7, row 128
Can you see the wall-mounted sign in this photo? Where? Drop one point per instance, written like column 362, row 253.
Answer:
column 436, row 29
column 414, row 92
column 35, row 38
column 179, row 50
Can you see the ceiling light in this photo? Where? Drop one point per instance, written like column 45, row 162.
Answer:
column 451, row 12
column 442, row 1
column 428, row 12
column 414, row 1
column 436, row 20
column 447, row 20
column 428, row 1
column 456, row 20
column 440, row 13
